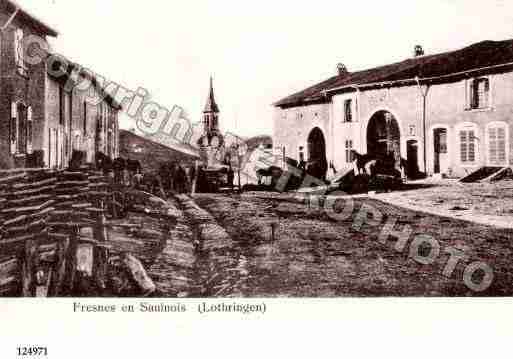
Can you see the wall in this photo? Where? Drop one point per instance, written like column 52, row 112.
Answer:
column 446, row 107
column 293, row 125
column 28, row 89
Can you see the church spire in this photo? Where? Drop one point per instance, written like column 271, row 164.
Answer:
column 211, row 105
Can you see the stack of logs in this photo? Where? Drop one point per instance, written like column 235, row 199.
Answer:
column 53, row 232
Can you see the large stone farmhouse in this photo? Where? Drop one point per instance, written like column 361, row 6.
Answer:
column 40, row 114
column 444, row 114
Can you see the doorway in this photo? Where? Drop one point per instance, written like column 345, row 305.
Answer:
column 440, row 150
column 412, row 159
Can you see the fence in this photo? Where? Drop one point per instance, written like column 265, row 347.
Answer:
column 53, row 230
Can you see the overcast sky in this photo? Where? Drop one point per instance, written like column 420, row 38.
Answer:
column 257, row 51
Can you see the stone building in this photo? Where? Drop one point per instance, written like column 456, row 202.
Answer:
column 39, row 114
column 443, row 114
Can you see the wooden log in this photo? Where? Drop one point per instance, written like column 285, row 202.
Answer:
column 9, row 267
column 71, row 260
column 13, row 178
column 101, row 265
column 30, row 199
column 27, row 276
column 67, row 184
column 5, row 281
column 100, row 228
column 18, row 210
column 43, row 183
column 32, row 191
column 85, row 258
column 60, row 266
column 138, row 274
column 27, row 217
column 43, row 283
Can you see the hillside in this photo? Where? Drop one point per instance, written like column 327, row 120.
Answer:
column 150, row 153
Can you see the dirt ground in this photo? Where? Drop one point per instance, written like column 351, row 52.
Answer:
column 313, row 255
column 479, row 199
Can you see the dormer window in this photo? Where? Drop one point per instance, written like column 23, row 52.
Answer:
column 479, row 93
column 19, row 54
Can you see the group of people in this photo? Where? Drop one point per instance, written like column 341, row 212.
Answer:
column 126, row 172
column 176, row 178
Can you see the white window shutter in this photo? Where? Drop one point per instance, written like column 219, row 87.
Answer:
column 16, row 47
column 14, row 127
column 30, row 129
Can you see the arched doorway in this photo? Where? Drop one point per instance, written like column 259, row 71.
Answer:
column 317, row 162
column 384, row 136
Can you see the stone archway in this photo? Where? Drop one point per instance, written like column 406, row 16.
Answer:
column 317, row 164
column 384, row 136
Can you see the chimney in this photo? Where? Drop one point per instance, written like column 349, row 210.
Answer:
column 341, row 69
column 418, row 51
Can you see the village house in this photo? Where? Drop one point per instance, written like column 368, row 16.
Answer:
column 43, row 121
column 444, row 114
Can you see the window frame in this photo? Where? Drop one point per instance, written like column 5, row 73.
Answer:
column 473, row 99
column 348, row 110
column 467, row 127
column 497, row 125
column 19, row 53
column 348, row 147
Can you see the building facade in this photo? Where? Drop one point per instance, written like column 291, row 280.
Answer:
column 39, row 114
column 446, row 114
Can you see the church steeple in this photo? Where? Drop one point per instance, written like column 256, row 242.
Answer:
column 210, row 112
column 211, row 105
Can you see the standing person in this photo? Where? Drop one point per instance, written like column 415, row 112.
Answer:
column 230, row 177
column 119, row 165
column 182, row 179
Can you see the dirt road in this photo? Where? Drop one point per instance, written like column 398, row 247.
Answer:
column 313, row 255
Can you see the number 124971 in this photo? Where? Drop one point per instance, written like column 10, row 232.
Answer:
column 32, row 351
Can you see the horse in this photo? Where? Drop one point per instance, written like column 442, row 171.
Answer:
column 362, row 161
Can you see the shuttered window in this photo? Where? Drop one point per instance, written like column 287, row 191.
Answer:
column 20, row 129
column 479, row 93
column 497, row 144
column 467, row 146
column 14, row 127
column 30, row 129
column 19, row 55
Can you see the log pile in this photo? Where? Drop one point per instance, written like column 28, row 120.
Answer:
column 53, row 233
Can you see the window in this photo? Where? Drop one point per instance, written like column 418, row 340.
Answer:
column 467, row 146
column 497, row 145
column 479, row 93
column 349, row 154
column 85, row 118
column 61, row 106
column 348, row 110
column 21, row 128
column 19, row 55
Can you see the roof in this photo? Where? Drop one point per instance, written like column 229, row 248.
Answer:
column 481, row 57
column 37, row 23
column 211, row 105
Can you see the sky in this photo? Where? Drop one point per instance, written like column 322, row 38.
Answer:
column 257, row 51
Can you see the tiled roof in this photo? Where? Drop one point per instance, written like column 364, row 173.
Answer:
column 483, row 56
column 39, row 24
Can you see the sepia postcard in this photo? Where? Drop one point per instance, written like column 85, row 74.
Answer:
column 322, row 161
